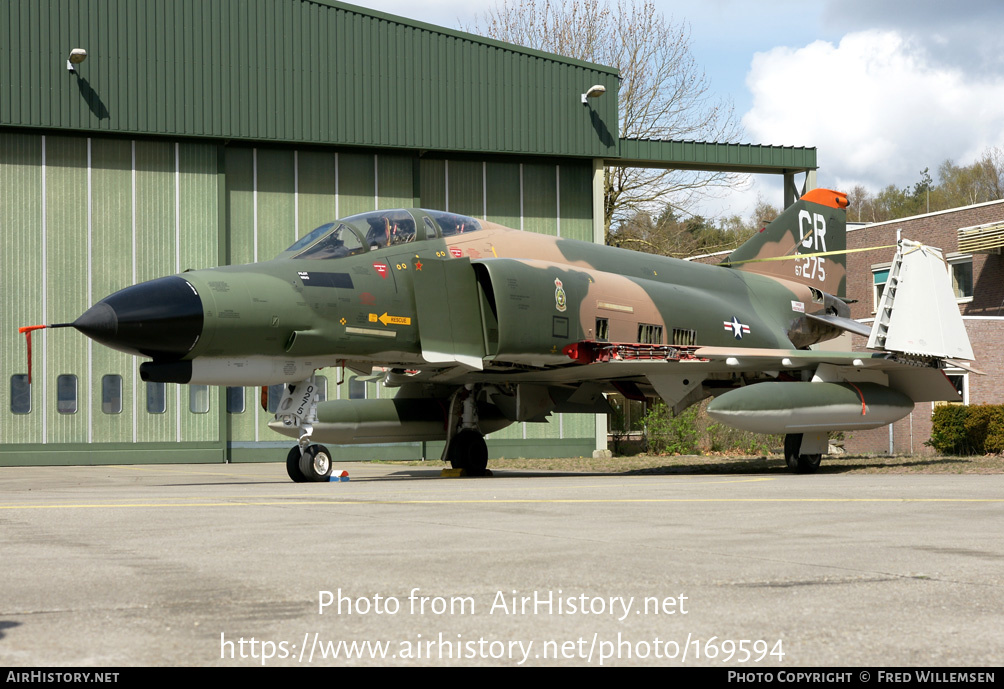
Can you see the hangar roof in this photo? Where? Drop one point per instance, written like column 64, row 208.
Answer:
column 719, row 157
column 318, row 72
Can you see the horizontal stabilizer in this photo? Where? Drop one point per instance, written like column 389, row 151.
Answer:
column 847, row 324
column 918, row 313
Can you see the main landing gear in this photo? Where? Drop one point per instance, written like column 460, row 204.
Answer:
column 465, row 445
column 468, row 451
column 305, row 462
column 796, row 444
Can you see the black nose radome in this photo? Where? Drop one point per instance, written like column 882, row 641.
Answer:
column 161, row 319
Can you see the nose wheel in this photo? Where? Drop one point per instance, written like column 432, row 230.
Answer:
column 313, row 464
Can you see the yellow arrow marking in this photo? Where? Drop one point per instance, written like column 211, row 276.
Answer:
column 396, row 320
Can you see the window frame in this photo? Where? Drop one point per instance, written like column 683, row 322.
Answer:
column 13, row 396
column 876, row 293
column 958, row 259
column 274, row 397
column 353, row 382
column 151, row 387
column 955, row 373
column 60, row 400
column 194, row 391
column 231, row 389
column 105, row 403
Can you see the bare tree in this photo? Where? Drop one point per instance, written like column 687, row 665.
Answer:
column 663, row 93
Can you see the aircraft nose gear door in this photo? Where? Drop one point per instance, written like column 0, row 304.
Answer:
column 298, row 409
column 465, row 446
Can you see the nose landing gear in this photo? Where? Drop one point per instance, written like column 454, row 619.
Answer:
column 305, row 462
column 312, row 464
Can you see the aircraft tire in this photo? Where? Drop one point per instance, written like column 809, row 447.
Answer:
column 315, row 464
column 800, row 464
column 293, row 465
column 469, row 451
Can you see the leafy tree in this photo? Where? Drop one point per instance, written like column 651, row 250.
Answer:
column 663, row 92
column 669, row 235
column 977, row 183
column 957, row 185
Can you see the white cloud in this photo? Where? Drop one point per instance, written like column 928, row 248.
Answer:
column 876, row 105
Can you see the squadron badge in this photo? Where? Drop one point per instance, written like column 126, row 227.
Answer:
column 559, row 295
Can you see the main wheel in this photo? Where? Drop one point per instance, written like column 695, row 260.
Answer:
column 800, row 464
column 469, row 451
column 315, row 463
column 293, row 465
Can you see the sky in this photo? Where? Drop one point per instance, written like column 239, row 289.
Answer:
column 881, row 88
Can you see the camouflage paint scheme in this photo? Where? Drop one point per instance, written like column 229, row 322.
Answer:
column 481, row 325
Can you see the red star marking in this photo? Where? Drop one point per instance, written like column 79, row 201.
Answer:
column 418, row 265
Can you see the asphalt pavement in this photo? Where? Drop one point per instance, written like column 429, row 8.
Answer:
column 234, row 565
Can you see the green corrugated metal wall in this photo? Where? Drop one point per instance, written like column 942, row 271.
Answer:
column 85, row 217
column 201, row 133
column 292, row 70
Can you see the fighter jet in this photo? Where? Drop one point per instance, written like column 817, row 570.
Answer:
column 479, row 326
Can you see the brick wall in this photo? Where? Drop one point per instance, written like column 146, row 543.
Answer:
column 983, row 316
column 936, row 229
column 987, row 337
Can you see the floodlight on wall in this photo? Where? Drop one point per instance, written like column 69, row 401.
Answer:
column 77, row 55
column 594, row 92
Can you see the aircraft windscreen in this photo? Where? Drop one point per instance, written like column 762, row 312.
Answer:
column 452, row 224
column 343, row 241
column 379, row 228
column 376, row 230
column 314, row 235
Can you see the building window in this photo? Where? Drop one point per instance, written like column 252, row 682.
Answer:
column 962, row 277
column 275, row 396
column 321, row 390
column 235, row 400
column 111, row 394
column 357, row 389
column 20, row 394
column 198, row 399
column 66, row 394
column 959, row 379
column 880, row 276
column 156, row 398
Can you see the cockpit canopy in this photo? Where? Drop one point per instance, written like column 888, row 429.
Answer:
column 378, row 230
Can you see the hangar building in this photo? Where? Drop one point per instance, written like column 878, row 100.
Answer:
column 195, row 134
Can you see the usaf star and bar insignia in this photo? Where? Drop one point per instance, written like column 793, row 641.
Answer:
column 738, row 329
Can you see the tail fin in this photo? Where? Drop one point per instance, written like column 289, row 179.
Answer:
column 815, row 224
column 918, row 313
